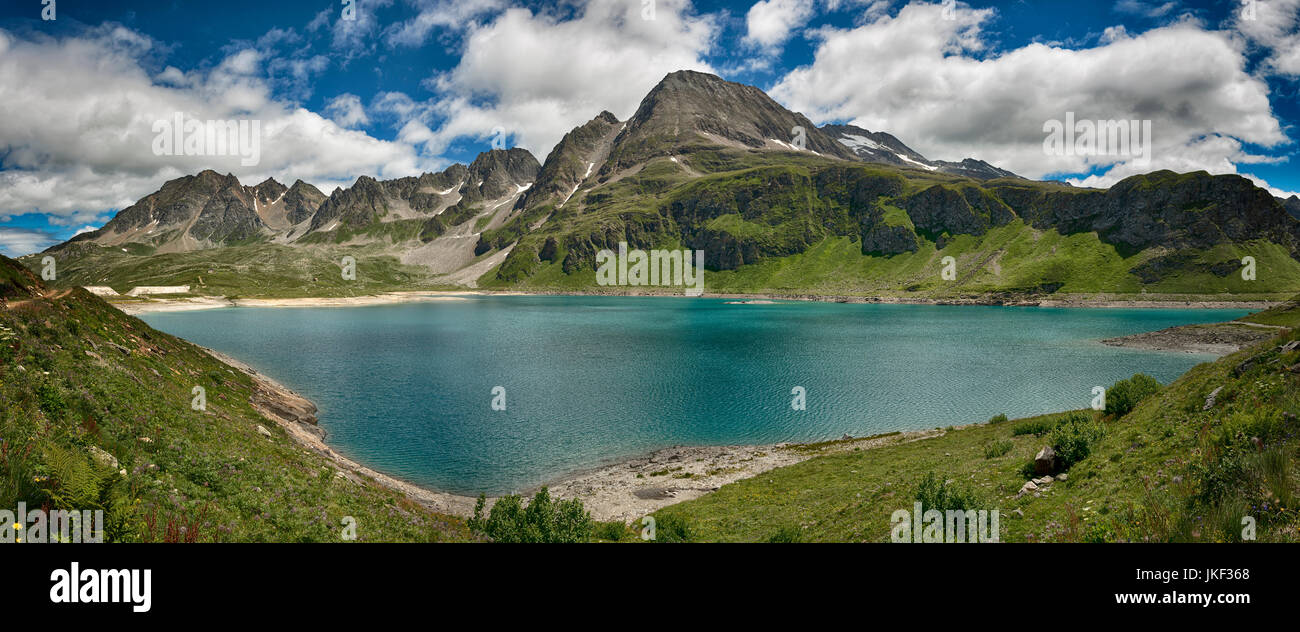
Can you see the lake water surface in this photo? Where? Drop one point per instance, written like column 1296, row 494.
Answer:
column 408, row 388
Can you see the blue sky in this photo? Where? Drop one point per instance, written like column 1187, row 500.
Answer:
column 415, row 85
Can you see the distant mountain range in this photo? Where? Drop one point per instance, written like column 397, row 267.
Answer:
column 720, row 166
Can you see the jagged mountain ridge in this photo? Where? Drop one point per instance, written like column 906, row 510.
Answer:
column 210, row 210
column 884, row 148
column 199, row 211
column 572, row 161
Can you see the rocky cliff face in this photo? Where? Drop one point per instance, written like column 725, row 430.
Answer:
column 365, row 202
column 572, row 161
column 1292, row 206
column 964, row 210
column 1192, row 210
column 301, row 202
column 499, row 173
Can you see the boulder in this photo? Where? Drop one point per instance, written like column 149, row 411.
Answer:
column 1209, row 401
column 103, row 458
column 1045, row 461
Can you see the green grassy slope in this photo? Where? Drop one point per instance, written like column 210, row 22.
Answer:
column 1167, row 471
column 796, row 224
column 1014, row 259
column 251, row 271
column 77, row 377
column 1285, row 315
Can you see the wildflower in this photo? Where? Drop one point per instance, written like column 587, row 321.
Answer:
column 17, row 526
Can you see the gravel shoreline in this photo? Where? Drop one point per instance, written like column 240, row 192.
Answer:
column 1219, row 339
column 199, row 303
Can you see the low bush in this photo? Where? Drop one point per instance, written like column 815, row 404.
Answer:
column 1033, row 427
column 1125, row 395
column 672, row 528
column 1074, row 437
column 785, row 535
column 543, row 520
column 995, row 449
column 613, row 531
column 934, row 493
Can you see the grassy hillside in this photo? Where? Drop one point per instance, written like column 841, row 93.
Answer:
column 80, row 382
column 1013, row 260
column 250, row 271
column 1285, row 315
column 797, row 224
column 1170, row 470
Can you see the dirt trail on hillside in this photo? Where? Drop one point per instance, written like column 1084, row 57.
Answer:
column 53, row 296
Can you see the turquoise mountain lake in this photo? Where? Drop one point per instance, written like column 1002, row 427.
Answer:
column 408, row 388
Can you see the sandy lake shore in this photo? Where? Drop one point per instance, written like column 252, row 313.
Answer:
column 388, row 298
column 200, row 303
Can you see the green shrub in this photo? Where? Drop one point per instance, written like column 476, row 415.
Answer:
column 672, row 528
column 543, row 520
column 1237, row 431
column 51, row 400
column 1100, row 532
column 934, row 493
column 1125, row 395
column 612, row 531
column 998, row 418
column 995, row 449
column 1033, row 427
column 1074, row 437
column 785, row 535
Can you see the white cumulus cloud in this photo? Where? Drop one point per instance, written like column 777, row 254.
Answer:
column 769, row 23
column 925, row 80
column 536, row 76
column 77, row 126
column 347, row 111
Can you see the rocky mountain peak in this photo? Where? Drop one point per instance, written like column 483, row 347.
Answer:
column 500, row 172
column 572, row 160
column 688, row 108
